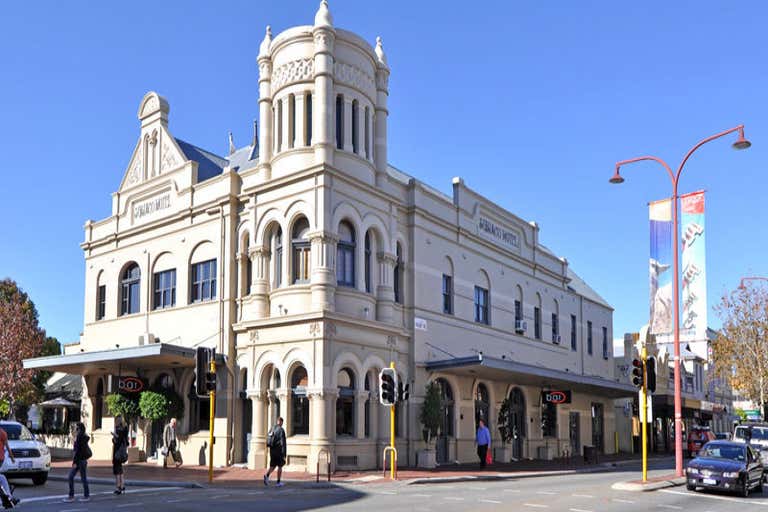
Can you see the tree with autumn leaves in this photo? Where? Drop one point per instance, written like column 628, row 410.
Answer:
column 740, row 350
column 20, row 338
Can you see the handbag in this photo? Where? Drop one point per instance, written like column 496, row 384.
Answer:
column 164, row 451
column 488, row 458
column 121, row 454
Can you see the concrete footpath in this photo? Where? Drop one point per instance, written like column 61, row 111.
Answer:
column 151, row 475
column 652, row 484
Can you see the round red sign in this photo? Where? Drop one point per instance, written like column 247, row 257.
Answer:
column 556, row 397
column 131, row 384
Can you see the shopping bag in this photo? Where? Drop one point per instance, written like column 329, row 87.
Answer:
column 488, row 458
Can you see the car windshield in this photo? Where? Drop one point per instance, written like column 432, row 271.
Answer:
column 17, row 432
column 758, row 433
column 722, row 451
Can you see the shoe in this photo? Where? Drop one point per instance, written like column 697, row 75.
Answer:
column 280, row 484
column 85, row 498
column 68, row 499
column 15, row 501
column 117, row 491
column 266, row 480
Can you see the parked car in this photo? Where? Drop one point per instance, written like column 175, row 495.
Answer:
column 698, row 437
column 728, row 466
column 753, row 434
column 33, row 458
column 723, row 436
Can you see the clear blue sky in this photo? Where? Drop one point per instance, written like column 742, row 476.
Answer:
column 531, row 102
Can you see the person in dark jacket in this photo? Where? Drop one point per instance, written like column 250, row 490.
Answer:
column 81, row 452
column 278, row 449
column 119, row 453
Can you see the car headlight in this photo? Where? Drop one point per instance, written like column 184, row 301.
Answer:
column 731, row 474
column 692, row 471
column 44, row 450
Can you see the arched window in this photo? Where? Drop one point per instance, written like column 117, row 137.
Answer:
column 164, row 381
column 299, row 402
column 367, row 405
column 345, row 403
column 446, row 407
column 308, row 119
column 291, row 120
column 339, row 122
column 301, row 251
column 277, row 242
column 556, row 323
column 355, row 127
column 367, row 133
column 398, row 274
column 345, row 255
column 367, row 261
column 482, row 406
column 98, row 405
column 279, row 116
column 101, row 297
column 130, row 286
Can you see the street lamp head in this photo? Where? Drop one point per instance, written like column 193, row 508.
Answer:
column 742, row 143
column 616, row 178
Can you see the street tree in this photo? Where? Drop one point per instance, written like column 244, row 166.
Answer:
column 20, row 338
column 740, row 351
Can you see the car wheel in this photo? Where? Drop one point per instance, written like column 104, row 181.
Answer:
column 690, row 487
column 40, row 479
column 744, row 491
column 759, row 487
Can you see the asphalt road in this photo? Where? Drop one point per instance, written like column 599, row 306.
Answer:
column 572, row 493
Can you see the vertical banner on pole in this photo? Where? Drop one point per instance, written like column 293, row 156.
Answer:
column 694, row 283
column 660, row 267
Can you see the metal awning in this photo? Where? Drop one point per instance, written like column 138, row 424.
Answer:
column 525, row 374
column 153, row 356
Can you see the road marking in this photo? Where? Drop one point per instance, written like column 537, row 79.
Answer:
column 175, row 501
column 220, row 496
column 582, row 495
column 454, row 499
column 254, row 493
column 104, row 493
column 578, row 510
column 535, row 505
column 763, row 503
column 618, row 500
column 129, row 505
column 673, row 507
column 546, row 492
column 422, row 495
column 69, row 509
column 510, row 490
column 480, row 488
column 491, row 501
column 387, row 492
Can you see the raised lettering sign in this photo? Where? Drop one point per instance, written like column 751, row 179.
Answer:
column 151, row 207
column 498, row 234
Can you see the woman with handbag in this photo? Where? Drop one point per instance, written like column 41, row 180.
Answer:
column 119, row 453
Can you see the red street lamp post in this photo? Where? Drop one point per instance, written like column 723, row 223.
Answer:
column 741, row 143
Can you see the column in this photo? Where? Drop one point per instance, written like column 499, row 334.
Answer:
column 321, row 410
column 258, row 299
column 299, row 119
column 286, row 125
column 360, row 399
column 323, row 276
column 385, row 291
column 361, row 131
column 323, row 101
column 382, row 113
column 257, row 452
column 348, row 125
column 265, row 106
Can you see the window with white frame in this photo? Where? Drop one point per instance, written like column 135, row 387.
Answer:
column 345, row 255
column 481, row 306
column 301, row 251
column 203, row 281
column 447, row 294
column 164, row 289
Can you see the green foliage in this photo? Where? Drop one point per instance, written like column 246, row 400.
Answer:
column 430, row 414
column 51, row 347
column 5, row 408
column 505, row 420
column 121, row 405
column 160, row 405
column 741, row 413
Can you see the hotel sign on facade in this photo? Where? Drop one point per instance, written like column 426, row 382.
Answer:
column 149, row 208
column 498, row 234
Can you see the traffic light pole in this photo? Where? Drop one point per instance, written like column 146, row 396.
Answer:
column 644, row 411
column 212, row 398
column 392, row 461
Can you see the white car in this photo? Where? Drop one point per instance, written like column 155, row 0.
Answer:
column 33, row 458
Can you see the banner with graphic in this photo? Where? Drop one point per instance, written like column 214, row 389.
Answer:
column 693, row 322
column 660, row 266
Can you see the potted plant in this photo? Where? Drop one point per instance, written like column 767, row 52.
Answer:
column 430, row 417
column 127, row 407
column 159, row 405
column 506, row 432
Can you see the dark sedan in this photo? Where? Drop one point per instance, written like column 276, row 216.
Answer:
column 727, row 466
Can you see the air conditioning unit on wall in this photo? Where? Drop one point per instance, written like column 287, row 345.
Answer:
column 521, row 326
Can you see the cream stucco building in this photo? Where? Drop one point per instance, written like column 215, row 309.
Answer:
column 310, row 263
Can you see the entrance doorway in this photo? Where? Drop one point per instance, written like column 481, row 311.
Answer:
column 517, row 417
column 482, row 406
column 597, row 426
column 247, row 416
column 574, row 433
column 446, row 428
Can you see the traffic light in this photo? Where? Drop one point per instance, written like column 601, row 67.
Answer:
column 203, row 358
column 388, row 386
column 210, row 381
column 637, row 373
column 403, row 392
column 650, row 374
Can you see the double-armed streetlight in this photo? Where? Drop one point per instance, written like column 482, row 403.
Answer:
column 741, row 143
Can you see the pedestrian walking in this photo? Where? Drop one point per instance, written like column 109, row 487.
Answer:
column 119, row 453
column 170, row 444
column 483, row 442
column 81, row 452
column 5, row 489
column 278, row 450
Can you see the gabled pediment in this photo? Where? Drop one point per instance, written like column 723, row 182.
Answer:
column 156, row 152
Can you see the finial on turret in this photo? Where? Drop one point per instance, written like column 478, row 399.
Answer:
column 323, row 16
column 232, row 147
column 264, row 48
column 380, row 51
